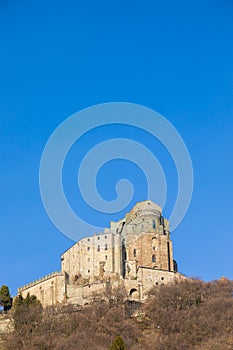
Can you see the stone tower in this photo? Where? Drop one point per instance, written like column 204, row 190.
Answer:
column 146, row 240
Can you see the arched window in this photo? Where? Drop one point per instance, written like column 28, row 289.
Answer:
column 153, row 258
column 153, row 224
column 153, row 241
column 133, row 292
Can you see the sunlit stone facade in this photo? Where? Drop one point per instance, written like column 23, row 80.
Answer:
column 135, row 252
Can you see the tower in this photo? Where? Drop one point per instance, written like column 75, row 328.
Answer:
column 147, row 240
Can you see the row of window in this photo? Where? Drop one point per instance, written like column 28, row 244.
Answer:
column 89, row 260
column 105, row 237
column 153, row 226
column 153, row 258
column 98, row 248
column 135, row 254
column 105, row 247
column 162, row 279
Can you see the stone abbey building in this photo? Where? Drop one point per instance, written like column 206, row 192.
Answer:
column 135, row 253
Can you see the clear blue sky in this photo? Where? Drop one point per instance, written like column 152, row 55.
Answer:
column 57, row 57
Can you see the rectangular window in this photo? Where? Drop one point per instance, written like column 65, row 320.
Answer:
column 88, row 249
column 98, row 248
column 106, row 247
column 105, row 237
column 98, row 238
column 106, row 257
column 134, row 253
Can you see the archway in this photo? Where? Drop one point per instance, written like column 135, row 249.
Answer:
column 133, row 293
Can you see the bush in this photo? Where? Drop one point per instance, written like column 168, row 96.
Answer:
column 190, row 315
column 118, row 344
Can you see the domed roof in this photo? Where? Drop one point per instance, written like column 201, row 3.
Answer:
column 147, row 205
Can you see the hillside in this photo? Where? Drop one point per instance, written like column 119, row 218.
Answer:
column 189, row 315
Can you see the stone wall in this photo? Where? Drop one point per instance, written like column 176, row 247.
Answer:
column 150, row 278
column 151, row 249
column 50, row 290
column 93, row 257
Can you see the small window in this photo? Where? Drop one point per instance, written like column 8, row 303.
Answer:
column 161, row 219
column 154, row 248
column 106, row 247
column 134, row 253
column 162, row 278
column 88, row 271
column 106, row 257
column 153, row 224
column 88, row 260
column 88, row 240
column 153, row 258
column 88, row 249
column 98, row 248
column 98, row 238
column 105, row 237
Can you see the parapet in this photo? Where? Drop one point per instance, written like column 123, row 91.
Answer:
column 42, row 279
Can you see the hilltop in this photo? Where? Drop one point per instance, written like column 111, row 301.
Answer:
column 186, row 315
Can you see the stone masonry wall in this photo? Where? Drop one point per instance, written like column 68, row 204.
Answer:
column 50, row 290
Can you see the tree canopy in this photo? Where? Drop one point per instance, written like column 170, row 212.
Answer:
column 5, row 298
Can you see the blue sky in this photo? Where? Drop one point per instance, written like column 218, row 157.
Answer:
column 59, row 57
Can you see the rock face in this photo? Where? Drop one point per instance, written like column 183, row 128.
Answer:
column 135, row 252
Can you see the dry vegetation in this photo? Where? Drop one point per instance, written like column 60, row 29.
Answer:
column 188, row 315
